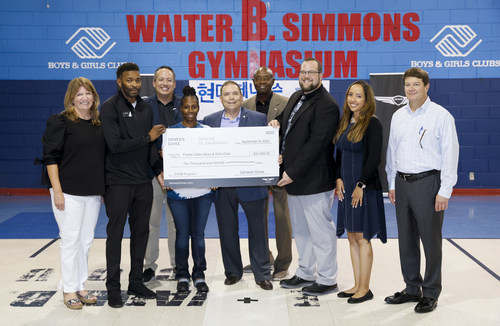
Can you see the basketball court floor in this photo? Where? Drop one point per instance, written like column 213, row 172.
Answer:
column 30, row 273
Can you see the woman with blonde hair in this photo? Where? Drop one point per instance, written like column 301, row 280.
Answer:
column 74, row 152
column 361, row 208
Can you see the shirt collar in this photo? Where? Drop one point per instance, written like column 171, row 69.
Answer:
column 421, row 109
column 227, row 118
column 267, row 101
column 310, row 95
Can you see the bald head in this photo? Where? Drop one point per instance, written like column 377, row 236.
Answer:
column 263, row 81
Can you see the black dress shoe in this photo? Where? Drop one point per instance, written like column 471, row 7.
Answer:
column 148, row 275
column 403, row 297
column 319, row 289
column 182, row 286
column 295, row 282
column 426, row 304
column 265, row 285
column 343, row 294
column 202, row 287
column 231, row 279
column 141, row 291
column 115, row 299
column 366, row 297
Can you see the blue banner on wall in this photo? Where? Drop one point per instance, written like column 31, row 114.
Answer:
column 205, row 39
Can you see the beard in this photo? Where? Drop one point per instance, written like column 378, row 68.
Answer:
column 309, row 88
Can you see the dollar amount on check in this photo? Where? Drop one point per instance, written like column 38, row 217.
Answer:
column 220, row 157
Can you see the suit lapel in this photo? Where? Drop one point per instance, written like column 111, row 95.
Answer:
column 274, row 107
column 306, row 105
column 289, row 108
column 243, row 118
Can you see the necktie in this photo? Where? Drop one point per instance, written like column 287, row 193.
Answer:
column 289, row 124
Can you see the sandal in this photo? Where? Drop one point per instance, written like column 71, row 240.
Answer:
column 87, row 299
column 73, row 304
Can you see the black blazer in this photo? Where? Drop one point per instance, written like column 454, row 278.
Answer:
column 372, row 155
column 308, row 156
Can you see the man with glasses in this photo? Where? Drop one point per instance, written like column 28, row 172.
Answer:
column 308, row 125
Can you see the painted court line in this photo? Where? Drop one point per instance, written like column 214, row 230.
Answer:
column 474, row 259
column 44, row 247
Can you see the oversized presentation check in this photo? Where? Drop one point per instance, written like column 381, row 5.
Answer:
column 220, row 157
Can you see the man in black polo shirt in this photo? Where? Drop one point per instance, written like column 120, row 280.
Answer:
column 127, row 125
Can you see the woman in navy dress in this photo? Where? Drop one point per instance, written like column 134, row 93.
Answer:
column 361, row 207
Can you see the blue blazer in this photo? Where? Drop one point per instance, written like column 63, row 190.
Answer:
column 248, row 118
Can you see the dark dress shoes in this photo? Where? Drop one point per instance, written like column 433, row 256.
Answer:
column 202, row 287
column 140, row 290
column 265, row 285
column 295, row 282
column 403, row 297
column 426, row 304
column 319, row 289
column 182, row 286
column 231, row 279
column 115, row 299
column 343, row 294
column 148, row 275
column 366, row 297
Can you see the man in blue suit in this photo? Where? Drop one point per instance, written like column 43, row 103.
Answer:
column 253, row 200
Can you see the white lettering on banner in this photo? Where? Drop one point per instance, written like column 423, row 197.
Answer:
column 456, row 41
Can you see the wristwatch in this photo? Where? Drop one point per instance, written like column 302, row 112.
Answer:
column 360, row 185
column 148, row 137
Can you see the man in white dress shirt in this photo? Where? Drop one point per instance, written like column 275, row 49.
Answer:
column 422, row 160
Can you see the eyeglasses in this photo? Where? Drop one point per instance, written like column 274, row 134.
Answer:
column 308, row 72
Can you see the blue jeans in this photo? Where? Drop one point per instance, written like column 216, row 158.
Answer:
column 190, row 218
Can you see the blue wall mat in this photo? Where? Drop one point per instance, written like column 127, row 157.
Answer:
column 30, row 226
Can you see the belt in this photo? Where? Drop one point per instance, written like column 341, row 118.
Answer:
column 416, row 176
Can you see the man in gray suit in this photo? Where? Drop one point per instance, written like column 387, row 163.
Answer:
column 272, row 104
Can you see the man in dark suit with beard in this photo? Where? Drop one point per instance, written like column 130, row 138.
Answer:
column 308, row 125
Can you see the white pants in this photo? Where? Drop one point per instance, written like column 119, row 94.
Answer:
column 76, row 228
column 315, row 237
column 153, row 248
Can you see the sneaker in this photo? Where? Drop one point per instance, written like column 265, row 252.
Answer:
column 202, row 287
column 295, row 282
column 115, row 299
column 148, row 275
column 319, row 289
column 141, row 291
column 182, row 286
